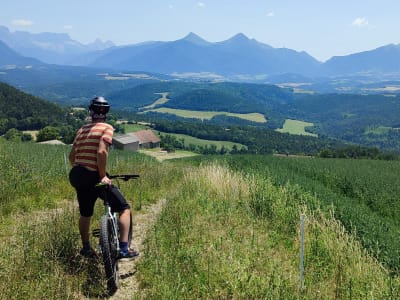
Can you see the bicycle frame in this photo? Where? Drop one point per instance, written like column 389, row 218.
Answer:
column 114, row 217
column 109, row 235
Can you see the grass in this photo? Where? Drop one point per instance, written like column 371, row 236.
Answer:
column 163, row 99
column 229, row 236
column 207, row 115
column 378, row 130
column 296, row 127
column 201, row 142
column 39, row 248
column 163, row 155
column 223, row 234
column 33, row 133
column 134, row 127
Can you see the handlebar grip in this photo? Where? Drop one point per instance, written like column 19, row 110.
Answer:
column 125, row 177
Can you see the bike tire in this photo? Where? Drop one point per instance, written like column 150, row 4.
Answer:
column 108, row 244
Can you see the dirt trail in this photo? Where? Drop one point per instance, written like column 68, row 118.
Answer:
column 142, row 222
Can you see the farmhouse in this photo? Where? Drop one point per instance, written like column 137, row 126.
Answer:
column 126, row 142
column 133, row 141
column 147, row 139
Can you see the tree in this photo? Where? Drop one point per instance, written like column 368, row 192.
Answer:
column 48, row 133
column 13, row 135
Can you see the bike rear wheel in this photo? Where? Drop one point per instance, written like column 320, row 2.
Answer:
column 108, row 244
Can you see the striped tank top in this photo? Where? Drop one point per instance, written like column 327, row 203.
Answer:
column 87, row 141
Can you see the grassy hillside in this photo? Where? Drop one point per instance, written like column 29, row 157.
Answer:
column 230, row 229
column 362, row 194
column 23, row 111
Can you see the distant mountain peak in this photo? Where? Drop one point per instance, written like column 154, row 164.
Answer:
column 239, row 37
column 195, row 39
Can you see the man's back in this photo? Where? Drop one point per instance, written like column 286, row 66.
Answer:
column 87, row 141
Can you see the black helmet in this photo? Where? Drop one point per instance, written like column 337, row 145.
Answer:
column 98, row 108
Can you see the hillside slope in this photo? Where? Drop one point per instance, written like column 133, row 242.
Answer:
column 23, row 111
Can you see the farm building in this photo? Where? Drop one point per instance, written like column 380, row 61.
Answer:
column 126, row 142
column 147, row 139
column 134, row 141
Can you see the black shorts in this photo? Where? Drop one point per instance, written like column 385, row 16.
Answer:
column 84, row 181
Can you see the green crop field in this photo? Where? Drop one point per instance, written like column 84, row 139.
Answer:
column 296, row 127
column 200, row 142
column 363, row 194
column 207, row 115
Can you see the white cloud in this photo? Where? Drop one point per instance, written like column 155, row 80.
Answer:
column 201, row 4
column 67, row 27
column 270, row 14
column 360, row 22
column 22, row 22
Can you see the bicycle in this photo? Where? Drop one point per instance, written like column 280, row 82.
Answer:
column 108, row 234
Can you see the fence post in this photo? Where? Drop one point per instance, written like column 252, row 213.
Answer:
column 65, row 163
column 302, row 218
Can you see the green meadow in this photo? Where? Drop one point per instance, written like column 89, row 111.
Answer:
column 187, row 140
column 296, row 127
column 207, row 115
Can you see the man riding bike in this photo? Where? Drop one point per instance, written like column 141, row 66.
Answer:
column 88, row 158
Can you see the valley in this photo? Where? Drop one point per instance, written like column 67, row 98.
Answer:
column 252, row 140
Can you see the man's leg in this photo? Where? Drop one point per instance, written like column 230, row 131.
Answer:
column 84, row 227
column 124, row 224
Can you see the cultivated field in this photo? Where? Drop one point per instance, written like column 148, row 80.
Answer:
column 207, row 115
column 187, row 140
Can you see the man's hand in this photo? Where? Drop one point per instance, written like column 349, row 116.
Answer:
column 106, row 180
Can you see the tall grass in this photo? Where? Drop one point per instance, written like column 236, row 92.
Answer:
column 39, row 239
column 222, row 234
column 225, row 235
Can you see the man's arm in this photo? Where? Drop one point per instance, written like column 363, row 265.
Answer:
column 71, row 156
column 102, row 155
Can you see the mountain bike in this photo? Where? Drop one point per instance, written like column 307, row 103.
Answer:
column 108, row 234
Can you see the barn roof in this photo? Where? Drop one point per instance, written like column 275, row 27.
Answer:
column 52, row 142
column 127, row 138
column 147, row 136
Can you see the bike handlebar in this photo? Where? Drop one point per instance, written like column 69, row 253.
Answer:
column 124, row 177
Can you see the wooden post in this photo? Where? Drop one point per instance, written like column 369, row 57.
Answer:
column 302, row 218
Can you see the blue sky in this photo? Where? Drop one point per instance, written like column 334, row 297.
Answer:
column 322, row 28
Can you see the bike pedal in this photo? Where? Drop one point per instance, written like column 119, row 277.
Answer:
column 96, row 233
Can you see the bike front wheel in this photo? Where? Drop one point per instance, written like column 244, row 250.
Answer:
column 108, row 244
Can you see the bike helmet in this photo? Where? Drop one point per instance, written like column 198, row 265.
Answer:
column 99, row 107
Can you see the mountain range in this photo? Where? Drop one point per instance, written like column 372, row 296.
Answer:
column 237, row 57
column 52, row 48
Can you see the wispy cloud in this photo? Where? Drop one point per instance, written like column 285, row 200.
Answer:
column 360, row 22
column 22, row 22
column 200, row 4
column 67, row 27
column 270, row 14
column 170, row 6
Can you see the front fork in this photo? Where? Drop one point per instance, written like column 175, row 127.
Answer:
column 114, row 217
